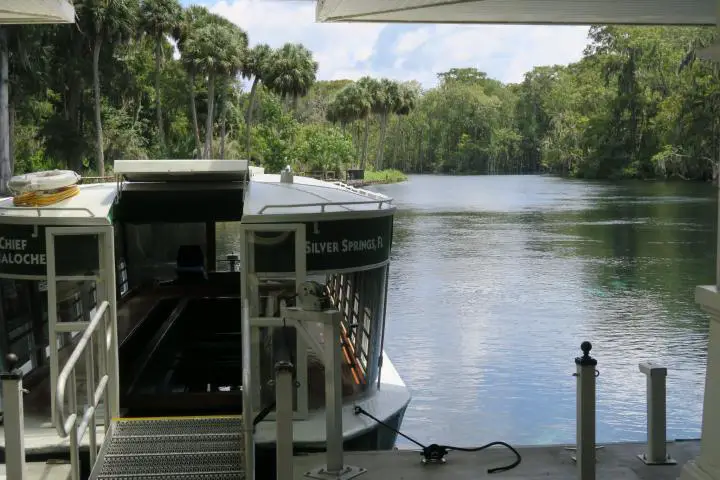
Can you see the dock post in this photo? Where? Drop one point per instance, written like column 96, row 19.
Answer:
column 335, row 468
column 284, row 419
column 656, row 416
column 13, row 419
column 586, row 373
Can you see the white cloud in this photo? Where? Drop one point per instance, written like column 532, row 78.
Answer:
column 336, row 47
column 350, row 50
column 412, row 40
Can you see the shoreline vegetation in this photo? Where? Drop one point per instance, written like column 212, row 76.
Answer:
column 638, row 104
column 381, row 177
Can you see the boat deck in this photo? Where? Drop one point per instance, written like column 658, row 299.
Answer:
column 615, row 462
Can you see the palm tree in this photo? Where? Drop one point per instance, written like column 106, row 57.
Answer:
column 350, row 104
column 291, row 71
column 109, row 22
column 255, row 66
column 369, row 91
column 159, row 17
column 386, row 100
column 5, row 163
column 216, row 49
column 192, row 18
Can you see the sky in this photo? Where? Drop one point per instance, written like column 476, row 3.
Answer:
column 403, row 52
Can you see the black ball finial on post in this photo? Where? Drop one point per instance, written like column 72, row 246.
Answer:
column 11, row 373
column 586, row 359
column 11, row 361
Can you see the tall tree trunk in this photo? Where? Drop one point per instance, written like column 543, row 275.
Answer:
column 11, row 134
column 98, row 117
column 249, row 114
column 223, row 132
column 381, row 141
column 158, row 102
column 363, row 159
column 5, row 167
column 209, row 120
column 193, row 113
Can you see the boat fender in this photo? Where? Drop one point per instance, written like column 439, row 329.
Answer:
column 43, row 181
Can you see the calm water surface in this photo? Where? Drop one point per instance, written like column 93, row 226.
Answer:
column 496, row 281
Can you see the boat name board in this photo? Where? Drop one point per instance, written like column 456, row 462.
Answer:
column 23, row 252
column 330, row 245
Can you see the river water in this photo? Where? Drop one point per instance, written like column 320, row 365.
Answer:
column 496, row 280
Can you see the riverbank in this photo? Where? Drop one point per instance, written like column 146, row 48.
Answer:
column 378, row 177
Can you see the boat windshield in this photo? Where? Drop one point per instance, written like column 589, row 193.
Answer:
column 153, row 249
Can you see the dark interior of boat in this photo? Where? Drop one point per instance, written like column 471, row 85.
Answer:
column 183, row 355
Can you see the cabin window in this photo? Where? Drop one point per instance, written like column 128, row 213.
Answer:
column 17, row 318
column 122, row 283
column 227, row 238
column 23, row 321
column 360, row 296
column 152, row 249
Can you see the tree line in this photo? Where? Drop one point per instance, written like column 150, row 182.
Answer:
column 641, row 103
column 166, row 82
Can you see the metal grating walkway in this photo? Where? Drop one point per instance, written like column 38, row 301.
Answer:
column 194, row 448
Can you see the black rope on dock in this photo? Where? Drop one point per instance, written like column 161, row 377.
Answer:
column 435, row 453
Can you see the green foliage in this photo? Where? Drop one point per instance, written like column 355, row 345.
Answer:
column 385, row 176
column 640, row 103
column 319, row 148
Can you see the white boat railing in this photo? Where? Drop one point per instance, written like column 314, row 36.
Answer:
column 324, row 205
column 361, row 191
column 39, row 210
column 94, row 336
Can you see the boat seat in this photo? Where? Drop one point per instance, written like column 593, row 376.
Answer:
column 190, row 263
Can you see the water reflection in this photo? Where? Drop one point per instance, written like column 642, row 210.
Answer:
column 495, row 281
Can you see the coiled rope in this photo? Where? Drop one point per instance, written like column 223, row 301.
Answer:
column 45, row 198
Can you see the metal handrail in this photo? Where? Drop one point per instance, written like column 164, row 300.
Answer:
column 68, row 426
column 361, row 191
column 326, row 204
column 39, row 210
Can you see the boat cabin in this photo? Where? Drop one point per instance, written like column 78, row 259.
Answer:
column 175, row 247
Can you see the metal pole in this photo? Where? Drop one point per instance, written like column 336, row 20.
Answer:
column 586, row 413
column 247, row 389
column 656, row 415
column 284, row 419
column 14, row 421
column 335, row 467
column 333, row 395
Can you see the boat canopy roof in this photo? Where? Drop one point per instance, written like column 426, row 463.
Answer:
column 558, row 12
column 16, row 12
column 268, row 199
column 181, row 170
column 92, row 206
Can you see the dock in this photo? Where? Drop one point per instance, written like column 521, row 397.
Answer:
column 50, row 470
column 617, row 461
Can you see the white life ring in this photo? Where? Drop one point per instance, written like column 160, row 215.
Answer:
column 42, row 181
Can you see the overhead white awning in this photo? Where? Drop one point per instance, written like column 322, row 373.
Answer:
column 16, row 12
column 557, row 12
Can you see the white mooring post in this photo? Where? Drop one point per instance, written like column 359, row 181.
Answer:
column 656, row 416
column 284, row 418
column 585, row 454
column 13, row 419
column 335, row 469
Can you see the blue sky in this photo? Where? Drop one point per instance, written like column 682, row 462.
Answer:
column 403, row 52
